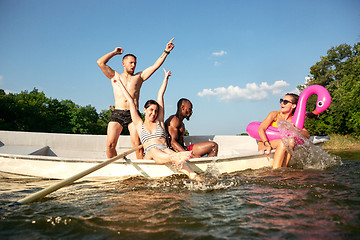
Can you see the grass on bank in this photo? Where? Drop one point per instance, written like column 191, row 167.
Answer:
column 342, row 142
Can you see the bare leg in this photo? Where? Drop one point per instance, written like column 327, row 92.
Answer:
column 113, row 132
column 186, row 169
column 209, row 148
column 279, row 156
column 287, row 155
column 135, row 140
column 274, row 145
column 166, row 156
column 287, row 159
column 178, row 158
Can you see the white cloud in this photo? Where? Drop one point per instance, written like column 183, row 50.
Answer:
column 216, row 63
column 251, row 92
column 1, row 80
column 308, row 79
column 219, row 54
column 296, row 91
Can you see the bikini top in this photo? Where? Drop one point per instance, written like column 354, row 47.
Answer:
column 274, row 123
column 146, row 136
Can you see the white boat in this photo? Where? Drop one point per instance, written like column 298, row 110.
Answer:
column 58, row 156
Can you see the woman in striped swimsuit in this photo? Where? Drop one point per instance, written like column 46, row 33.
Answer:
column 152, row 133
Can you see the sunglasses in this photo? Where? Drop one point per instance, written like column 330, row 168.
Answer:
column 284, row 101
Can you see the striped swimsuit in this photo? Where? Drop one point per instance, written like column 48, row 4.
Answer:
column 145, row 136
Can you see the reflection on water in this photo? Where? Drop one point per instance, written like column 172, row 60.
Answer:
column 252, row 204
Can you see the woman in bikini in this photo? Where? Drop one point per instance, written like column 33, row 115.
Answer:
column 281, row 156
column 152, row 133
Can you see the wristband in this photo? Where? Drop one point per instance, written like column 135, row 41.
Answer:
column 268, row 143
column 166, row 52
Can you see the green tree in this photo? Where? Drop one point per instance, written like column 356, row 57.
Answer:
column 23, row 111
column 339, row 73
column 33, row 111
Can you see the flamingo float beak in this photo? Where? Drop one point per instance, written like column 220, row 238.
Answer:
column 316, row 112
column 312, row 114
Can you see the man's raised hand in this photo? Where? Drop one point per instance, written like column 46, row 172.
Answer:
column 170, row 45
column 118, row 50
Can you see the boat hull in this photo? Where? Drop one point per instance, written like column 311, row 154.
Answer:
column 61, row 168
column 58, row 156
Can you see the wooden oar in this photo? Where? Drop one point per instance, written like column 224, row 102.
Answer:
column 67, row 181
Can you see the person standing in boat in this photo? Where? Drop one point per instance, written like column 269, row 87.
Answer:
column 152, row 133
column 120, row 116
column 287, row 109
column 175, row 129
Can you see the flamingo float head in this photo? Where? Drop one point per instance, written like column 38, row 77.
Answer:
column 322, row 103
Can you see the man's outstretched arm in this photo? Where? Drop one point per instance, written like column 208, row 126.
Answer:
column 150, row 70
column 102, row 62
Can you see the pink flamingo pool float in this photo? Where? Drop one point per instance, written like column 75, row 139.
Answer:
column 322, row 103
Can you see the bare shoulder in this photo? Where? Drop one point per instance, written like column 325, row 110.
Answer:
column 173, row 121
column 138, row 76
column 271, row 117
column 273, row 114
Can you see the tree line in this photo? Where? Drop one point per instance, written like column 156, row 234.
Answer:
column 34, row 112
column 338, row 72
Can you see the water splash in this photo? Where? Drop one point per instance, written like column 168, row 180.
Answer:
column 212, row 172
column 305, row 154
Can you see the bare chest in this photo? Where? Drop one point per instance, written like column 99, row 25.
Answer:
column 131, row 83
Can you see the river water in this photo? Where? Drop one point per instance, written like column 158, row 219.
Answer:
column 253, row 204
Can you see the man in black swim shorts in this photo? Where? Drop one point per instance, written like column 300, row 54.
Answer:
column 132, row 81
column 123, row 117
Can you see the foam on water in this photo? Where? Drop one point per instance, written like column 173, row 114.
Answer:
column 305, row 154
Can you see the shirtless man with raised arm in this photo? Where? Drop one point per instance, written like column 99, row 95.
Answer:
column 120, row 117
column 175, row 129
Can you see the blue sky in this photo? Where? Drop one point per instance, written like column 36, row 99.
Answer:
column 232, row 59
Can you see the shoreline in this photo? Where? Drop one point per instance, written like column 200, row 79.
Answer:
column 339, row 142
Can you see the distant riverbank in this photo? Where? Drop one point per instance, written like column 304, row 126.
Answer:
column 342, row 142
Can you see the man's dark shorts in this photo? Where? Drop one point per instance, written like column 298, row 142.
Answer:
column 121, row 116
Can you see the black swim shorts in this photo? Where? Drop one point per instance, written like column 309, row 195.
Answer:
column 121, row 116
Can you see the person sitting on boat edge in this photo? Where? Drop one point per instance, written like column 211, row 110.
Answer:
column 175, row 129
column 287, row 109
column 152, row 133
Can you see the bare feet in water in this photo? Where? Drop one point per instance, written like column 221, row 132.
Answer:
column 179, row 160
column 190, row 173
column 195, row 176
